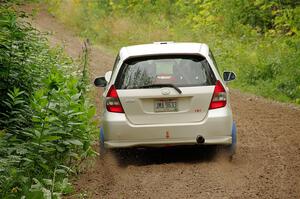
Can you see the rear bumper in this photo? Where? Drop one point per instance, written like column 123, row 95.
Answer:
column 225, row 140
column 120, row 133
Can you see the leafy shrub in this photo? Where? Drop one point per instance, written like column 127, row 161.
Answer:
column 46, row 122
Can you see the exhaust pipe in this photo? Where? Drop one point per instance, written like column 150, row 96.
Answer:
column 200, row 139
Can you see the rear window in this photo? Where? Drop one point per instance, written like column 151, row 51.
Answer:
column 179, row 70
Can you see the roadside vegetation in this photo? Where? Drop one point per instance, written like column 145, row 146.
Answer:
column 46, row 119
column 259, row 40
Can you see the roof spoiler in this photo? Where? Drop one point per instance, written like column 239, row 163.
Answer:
column 163, row 42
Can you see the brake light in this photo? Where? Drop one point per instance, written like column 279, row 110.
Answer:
column 113, row 103
column 219, row 97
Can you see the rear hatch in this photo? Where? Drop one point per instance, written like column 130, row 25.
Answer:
column 165, row 89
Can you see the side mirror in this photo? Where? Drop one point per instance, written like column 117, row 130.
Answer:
column 229, row 76
column 100, row 82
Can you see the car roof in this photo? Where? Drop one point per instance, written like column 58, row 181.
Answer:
column 158, row 48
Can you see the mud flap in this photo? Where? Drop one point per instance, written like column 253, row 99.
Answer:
column 101, row 140
column 234, row 139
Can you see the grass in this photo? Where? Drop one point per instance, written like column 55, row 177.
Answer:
column 266, row 60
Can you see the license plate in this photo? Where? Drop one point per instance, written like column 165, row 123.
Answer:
column 168, row 105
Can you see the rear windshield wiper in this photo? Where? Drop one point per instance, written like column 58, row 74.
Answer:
column 162, row 85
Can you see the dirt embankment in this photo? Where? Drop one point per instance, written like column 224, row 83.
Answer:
column 267, row 163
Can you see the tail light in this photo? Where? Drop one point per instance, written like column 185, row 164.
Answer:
column 113, row 103
column 219, row 97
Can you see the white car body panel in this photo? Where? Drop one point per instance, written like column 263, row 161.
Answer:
column 139, row 109
column 215, row 128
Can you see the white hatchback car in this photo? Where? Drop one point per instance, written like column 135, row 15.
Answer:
column 166, row 94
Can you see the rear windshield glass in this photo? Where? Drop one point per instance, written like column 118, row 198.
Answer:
column 181, row 71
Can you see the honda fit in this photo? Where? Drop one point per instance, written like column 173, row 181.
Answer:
column 166, row 94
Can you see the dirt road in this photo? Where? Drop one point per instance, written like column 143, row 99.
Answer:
column 267, row 163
